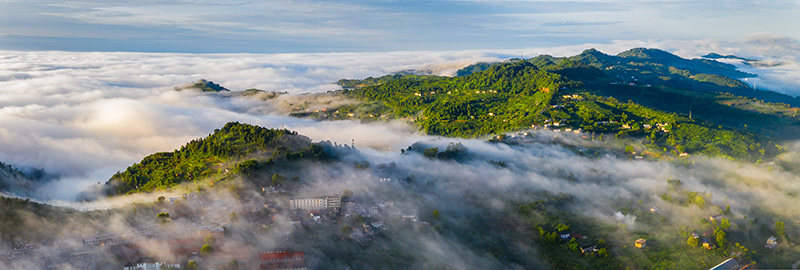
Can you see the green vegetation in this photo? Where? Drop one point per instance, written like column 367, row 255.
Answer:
column 206, row 250
column 235, row 149
column 566, row 240
column 501, row 98
column 713, row 113
column 14, row 213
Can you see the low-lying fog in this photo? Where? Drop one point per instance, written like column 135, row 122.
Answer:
column 83, row 116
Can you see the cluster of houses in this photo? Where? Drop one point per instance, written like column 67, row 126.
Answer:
column 136, row 248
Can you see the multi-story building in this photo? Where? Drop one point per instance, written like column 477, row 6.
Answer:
column 324, row 202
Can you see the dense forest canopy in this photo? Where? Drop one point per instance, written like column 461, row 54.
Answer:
column 230, row 149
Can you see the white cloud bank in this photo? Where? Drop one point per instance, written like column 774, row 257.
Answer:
column 84, row 116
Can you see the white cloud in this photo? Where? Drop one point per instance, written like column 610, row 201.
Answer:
column 87, row 115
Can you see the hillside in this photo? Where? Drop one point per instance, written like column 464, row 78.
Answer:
column 708, row 111
column 235, row 148
column 18, row 182
column 16, row 224
column 203, row 85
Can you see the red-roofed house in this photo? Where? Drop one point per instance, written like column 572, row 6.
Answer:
column 285, row 260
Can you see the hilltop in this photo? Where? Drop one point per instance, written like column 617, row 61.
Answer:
column 202, row 85
column 674, row 105
column 234, row 150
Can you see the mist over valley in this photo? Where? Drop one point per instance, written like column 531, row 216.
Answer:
column 223, row 161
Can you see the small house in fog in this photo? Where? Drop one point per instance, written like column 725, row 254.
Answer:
column 640, row 243
column 772, row 242
column 588, row 249
column 152, row 266
column 216, row 231
column 377, row 224
column 707, row 244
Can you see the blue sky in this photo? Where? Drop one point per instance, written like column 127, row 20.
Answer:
column 207, row 26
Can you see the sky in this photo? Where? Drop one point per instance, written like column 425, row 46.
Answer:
column 245, row 26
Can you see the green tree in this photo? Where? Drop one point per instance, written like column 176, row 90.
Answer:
column 431, row 152
column 573, row 245
column 780, row 229
column 628, row 149
column 435, row 214
column 551, row 237
column 562, row 227
column 191, row 265
column 603, row 252
column 724, row 224
column 164, row 217
column 721, row 241
column 692, row 242
column 206, row 250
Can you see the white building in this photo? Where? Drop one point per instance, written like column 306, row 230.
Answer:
column 153, row 266
column 334, row 201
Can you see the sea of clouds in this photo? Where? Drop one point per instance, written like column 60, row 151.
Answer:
column 83, row 116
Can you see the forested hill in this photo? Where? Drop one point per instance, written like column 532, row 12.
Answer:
column 18, row 182
column 676, row 105
column 16, row 222
column 459, row 106
column 658, row 67
column 234, row 149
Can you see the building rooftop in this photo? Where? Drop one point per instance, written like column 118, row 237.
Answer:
column 725, row 265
